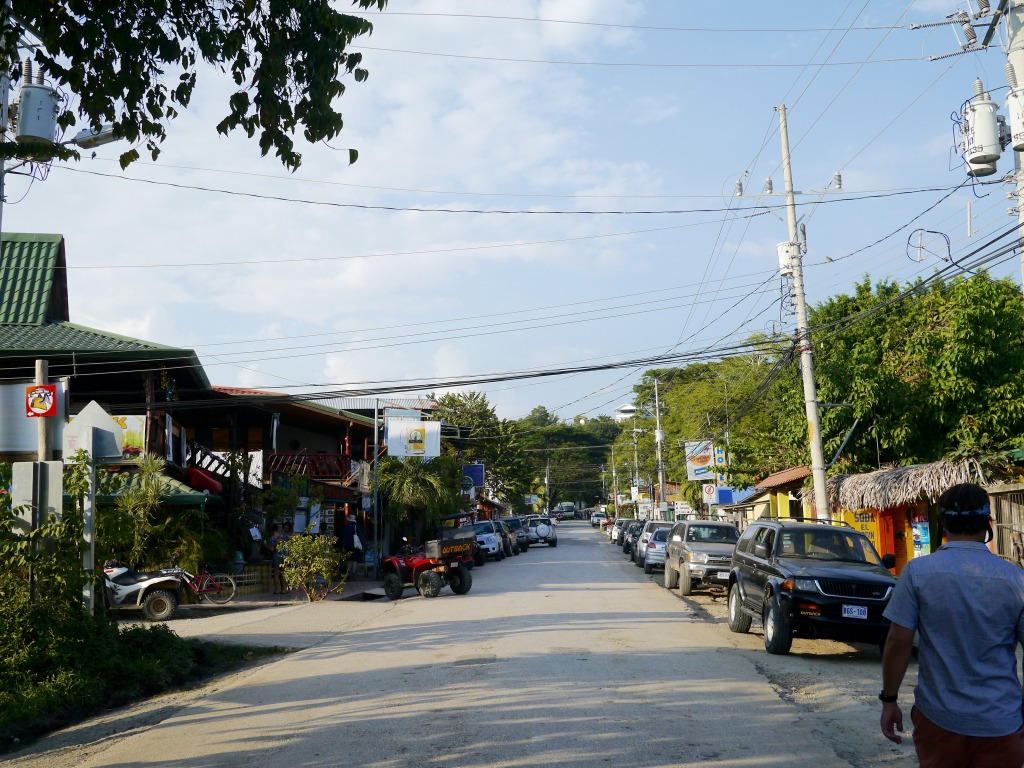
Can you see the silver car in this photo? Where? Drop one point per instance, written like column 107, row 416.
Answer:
column 541, row 530
column 655, row 550
column 699, row 554
column 639, row 554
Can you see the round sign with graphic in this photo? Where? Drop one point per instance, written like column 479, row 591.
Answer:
column 41, row 400
column 710, row 492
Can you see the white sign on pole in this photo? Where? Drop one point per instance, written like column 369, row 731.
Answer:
column 710, row 493
column 413, row 438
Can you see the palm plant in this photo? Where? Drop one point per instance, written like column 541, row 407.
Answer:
column 419, row 492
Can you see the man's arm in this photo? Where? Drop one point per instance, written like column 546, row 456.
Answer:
column 895, row 659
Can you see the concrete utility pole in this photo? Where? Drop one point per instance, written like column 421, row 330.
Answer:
column 794, row 251
column 547, row 487
column 1015, row 103
column 376, row 512
column 636, row 456
column 659, row 438
column 42, row 425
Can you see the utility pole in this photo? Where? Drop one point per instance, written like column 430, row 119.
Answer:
column 376, row 512
column 42, row 431
column 547, row 487
column 793, row 250
column 615, row 483
column 659, row 438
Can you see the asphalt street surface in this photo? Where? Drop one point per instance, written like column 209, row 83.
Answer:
column 566, row 656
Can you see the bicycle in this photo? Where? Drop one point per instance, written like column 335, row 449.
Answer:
column 219, row 587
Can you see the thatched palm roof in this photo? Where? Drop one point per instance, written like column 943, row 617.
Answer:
column 889, row 488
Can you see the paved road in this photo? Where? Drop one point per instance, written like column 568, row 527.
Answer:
column 566, row 656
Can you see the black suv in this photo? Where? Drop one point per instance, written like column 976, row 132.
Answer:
column 806, row 578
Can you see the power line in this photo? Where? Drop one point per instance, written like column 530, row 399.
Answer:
column 612, row 25
column 639, row 65
column 755, row 209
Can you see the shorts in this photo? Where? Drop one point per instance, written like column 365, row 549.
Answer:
column 938, row 748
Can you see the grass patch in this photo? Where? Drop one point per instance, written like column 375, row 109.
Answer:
column 137, row 662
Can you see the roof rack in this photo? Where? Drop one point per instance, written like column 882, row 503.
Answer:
column 805, row 520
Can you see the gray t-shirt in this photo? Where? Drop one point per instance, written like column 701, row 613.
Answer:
column 967, row 606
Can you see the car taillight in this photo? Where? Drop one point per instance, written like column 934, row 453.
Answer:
column 651, row 545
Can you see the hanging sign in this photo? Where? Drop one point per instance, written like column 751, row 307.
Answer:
column 700, row 458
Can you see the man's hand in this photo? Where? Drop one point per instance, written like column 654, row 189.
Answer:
column 892, row 721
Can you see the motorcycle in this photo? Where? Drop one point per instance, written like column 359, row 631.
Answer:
column 155, row 593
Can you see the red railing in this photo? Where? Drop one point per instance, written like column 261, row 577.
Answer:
column 316, row 466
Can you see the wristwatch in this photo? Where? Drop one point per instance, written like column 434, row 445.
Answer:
column 885, row 699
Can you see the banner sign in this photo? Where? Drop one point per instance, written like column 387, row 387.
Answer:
column 365, row 475
column 405, row 437
column 700, row 460
column 133, row 435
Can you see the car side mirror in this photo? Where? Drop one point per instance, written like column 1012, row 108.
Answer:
column 889, row 561
column 761, row 550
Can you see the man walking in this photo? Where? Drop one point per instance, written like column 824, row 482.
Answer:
column 967, row 607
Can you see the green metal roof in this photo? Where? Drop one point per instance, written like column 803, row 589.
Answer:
column 70, row 337
column 79, row 343
column 174, row 493
column 33, row 279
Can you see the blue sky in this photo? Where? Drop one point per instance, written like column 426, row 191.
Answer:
column 540, row 184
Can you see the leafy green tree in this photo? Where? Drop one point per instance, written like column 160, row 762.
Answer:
column 492, row 441
column 134, row 64
column 571, row 455
column 539, row 417
column 929, row 374
column 912, row 378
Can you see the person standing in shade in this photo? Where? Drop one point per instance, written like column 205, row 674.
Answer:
column 351, row 545
column 967, row 606
column 279, row 548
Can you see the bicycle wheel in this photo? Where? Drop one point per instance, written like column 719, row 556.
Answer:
column 221, row 589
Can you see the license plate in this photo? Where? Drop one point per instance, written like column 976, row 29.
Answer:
column 722, row 575
column 855, row 612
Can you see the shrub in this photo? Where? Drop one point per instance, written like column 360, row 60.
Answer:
column 311, row 564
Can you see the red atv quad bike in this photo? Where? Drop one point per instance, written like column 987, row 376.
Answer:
column 429, row 568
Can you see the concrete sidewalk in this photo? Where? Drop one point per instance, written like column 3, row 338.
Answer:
column 357, row 589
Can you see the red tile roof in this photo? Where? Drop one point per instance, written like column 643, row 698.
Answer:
column 785, row 477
